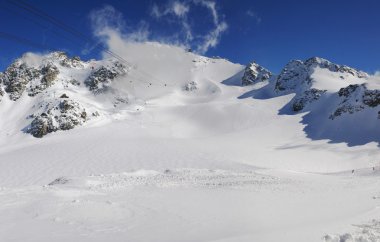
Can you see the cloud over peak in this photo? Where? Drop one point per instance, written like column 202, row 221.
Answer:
column 108, row 22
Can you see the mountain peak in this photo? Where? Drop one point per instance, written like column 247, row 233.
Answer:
column 255, row 73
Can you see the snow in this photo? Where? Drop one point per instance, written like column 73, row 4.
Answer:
column 180, row 165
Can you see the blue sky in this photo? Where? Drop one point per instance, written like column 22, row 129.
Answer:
column 267, row 31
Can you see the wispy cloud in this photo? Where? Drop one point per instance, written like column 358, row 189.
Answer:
column 252, row 14
column 176, row 9
column 110, row 26
column 108, row 20
column 211, row 40
column 180, row 10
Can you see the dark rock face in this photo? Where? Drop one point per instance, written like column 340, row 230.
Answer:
column 254, row 73
column 101, row 78
column 297, row 74
column 322, row 63
column 74, row 62
column 1, row 86
column 371, row 98
column 191, row 86
column 49, row 73
column 64, row 115
column 20, row 77
column 347, row 91
column 306, row 98
column 16, row 78
column 356, row 98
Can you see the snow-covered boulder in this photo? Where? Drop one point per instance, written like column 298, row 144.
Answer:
column 61, row 114
column 254, row 73
column 191, row 86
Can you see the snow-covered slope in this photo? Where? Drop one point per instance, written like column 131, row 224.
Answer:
column 210, row 149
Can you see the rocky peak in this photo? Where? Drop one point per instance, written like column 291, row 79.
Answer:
column 355, row 98
column 323, row 63
column 16, row 77
column 293, row 76
column 297, row 75
column 255, row 73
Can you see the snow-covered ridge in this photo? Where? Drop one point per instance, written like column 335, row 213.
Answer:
column 312, row 79
column 105, row 87
column 51, row 79
column 110, row 86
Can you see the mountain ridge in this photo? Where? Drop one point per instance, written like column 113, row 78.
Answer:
column 72, row 92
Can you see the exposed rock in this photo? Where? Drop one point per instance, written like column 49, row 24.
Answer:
column 309, row 96
column 64, row 96
column 347, row 91
column 16, row 77
column 59, row 181
column 323, row 63
column 356, row 98
column 74, row 62
column 74, row 82
column 191, row 86
column 101, row 78
column 1, row 86
column 371, row 98
column 294, row 75
column 49, row 73
column 255, row 73
column 62, row 115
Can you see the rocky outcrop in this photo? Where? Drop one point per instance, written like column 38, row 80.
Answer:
column 101, row 78
column 191, row 86
column 322, row 63
column 19, row 77
column 49, row 74
column 74, row 62
column 355, row 98
column 58, row 115
column 1, row 86
column 16, row 77
column 296, row 76
column 307, row 97
column 254, row 73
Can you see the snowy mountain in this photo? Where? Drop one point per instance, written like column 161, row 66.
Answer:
column 108, row 149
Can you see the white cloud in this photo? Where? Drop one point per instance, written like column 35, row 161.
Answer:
column 110, row 27
column 377, row 73
column 254, row 15
column 180, row 10
column 107, row 21
column 176, row 8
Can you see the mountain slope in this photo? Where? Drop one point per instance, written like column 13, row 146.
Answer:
column 169, row 147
